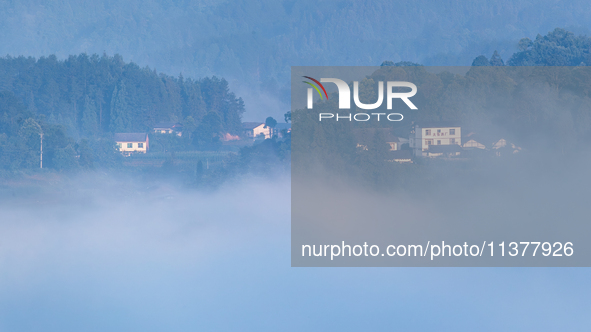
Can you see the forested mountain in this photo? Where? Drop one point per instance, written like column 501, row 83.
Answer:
column 91, row 95
column 558, row 48
column 253, row 43
column 79, row 102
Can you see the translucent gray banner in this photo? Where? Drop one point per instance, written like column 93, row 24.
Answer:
column 441, row 166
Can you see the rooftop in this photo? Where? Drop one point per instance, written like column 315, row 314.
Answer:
column 442, row 124
column 168, row 125
column 130, row 137
column 250, row 125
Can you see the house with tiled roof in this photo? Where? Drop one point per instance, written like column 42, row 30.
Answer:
column 128, row 143
column 255, row 129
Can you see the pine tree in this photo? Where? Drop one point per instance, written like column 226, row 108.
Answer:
column 496, row 60
column 89, row 117
column 480, row 61
column 120, row 120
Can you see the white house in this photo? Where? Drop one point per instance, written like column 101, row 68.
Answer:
column 424, row 135
column 132, row 142
column 254, row 129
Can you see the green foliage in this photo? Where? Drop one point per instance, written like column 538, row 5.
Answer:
column 264, row 156
column 557, row 48
column 120, row 111
column 29, row 142
column 270, row 122
column 90, row 126
column 524, row 44
column 167, row 143
column 480, row 61
column 208, row 132
column 12, row 113
column 86, row 155
column 93, row 95
column 256, row 41
column 495, row 60
column 65, row 158
column 399, row 64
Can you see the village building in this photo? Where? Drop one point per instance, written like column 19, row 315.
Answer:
column 129, row 143
column 168, row 128
column 425, row 135
column 255, row 129
column 474, row 141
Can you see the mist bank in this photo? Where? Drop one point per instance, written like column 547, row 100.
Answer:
column 119, row 258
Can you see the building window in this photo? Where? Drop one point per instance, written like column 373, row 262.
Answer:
column 439, row 131
column 140, row 145
column 429, row 141
column 438, row 142
column 453, row 140
column 428, row 132
column 129, row 145
column 452, row 131
column 119, row 146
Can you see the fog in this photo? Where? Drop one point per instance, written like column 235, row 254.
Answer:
column 98, row 252
column 259, row 103
column 522, row 198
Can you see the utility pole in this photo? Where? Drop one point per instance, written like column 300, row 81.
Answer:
column 41, row 155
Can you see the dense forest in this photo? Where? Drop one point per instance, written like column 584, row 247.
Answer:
column 97, row 94
column 79, row 102
column 558, row 48
column 253, row 43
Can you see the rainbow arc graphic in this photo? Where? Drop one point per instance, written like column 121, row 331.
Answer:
column 316, row 87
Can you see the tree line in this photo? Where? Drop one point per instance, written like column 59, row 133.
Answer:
column 88, row 98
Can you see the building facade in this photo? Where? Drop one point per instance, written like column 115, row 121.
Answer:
column 128, row 143
column 255, row 129
column 424, row 135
